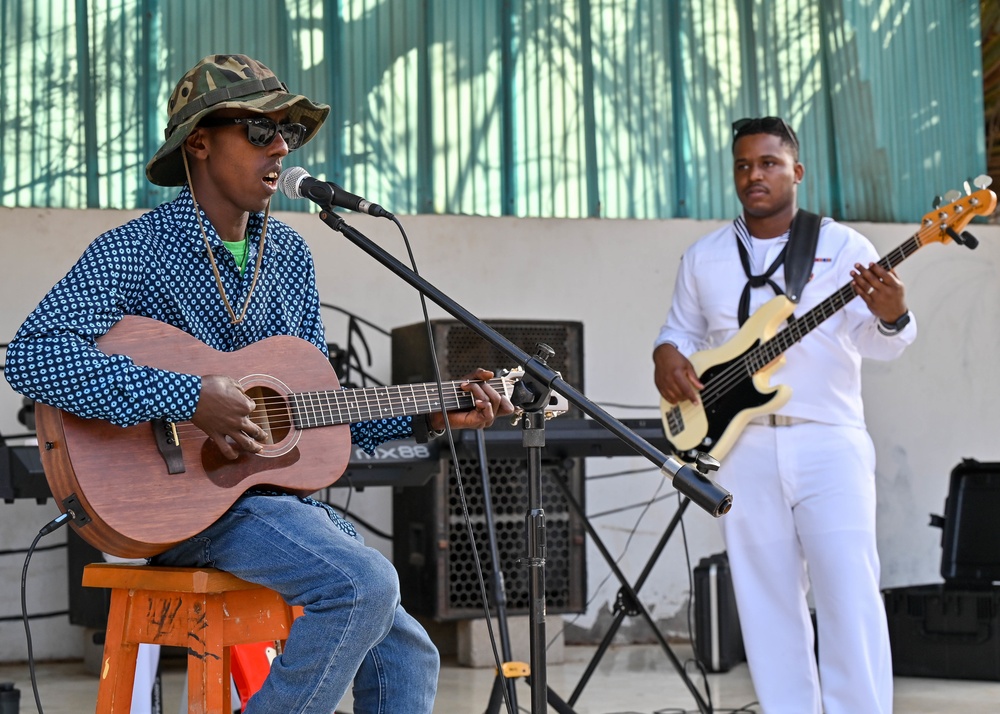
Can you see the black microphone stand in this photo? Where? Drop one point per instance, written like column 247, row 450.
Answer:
column 696, row 486
column 533, row 402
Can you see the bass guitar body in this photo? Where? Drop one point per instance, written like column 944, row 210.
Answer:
column 712, row 425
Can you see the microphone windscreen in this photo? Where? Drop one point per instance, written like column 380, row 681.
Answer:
column 290, row 179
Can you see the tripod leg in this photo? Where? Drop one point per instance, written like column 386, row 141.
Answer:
column 496, row 694
column 628, row 593
column 595, row 660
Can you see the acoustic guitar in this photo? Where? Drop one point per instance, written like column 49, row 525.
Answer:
column 136, row 491
column 736, row 375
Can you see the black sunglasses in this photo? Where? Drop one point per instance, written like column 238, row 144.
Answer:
column 262, row 130
column 763, row 125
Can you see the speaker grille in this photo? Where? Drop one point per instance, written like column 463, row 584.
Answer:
column 431, row 548
column 459, row 350
column 437, row 563
column 509, row 494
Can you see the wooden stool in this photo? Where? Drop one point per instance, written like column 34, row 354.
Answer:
column 203, row 610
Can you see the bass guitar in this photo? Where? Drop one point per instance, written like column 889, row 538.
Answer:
column 136, row 491
column 736, row 375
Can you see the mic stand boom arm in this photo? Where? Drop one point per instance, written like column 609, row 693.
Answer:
column 701, row 490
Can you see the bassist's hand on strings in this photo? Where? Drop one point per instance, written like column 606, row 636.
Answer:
column 881, row 290
column 675, row 376
column 223, row 413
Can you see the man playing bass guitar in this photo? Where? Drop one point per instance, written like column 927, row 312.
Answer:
column 804, row 478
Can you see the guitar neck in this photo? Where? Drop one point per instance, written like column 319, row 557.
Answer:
column 347, row 406
column 799, row 327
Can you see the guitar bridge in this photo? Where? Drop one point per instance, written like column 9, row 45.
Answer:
column 169, row 445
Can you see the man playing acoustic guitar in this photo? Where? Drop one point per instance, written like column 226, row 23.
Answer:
column 214, row 264
column 803, row 479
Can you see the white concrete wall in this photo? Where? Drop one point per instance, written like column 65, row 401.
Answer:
column 926, row 411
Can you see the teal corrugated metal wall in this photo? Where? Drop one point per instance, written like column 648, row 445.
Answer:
column 552, row 108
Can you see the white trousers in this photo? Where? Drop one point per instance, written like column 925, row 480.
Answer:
column 804, row 512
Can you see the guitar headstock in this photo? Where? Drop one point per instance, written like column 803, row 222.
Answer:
column 944, row 223
column 558, row 404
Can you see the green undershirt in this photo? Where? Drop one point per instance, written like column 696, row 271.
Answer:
column 239, row 250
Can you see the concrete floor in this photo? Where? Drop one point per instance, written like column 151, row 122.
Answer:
column 634, row 679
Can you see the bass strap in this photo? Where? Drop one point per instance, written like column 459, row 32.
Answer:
column 802, row 242
column 796, row 257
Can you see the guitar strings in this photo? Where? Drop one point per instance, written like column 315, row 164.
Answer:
column 730, row 377
column 327, row 404
column 734, row 374
column 326, row 407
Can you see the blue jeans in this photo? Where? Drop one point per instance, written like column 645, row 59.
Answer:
column 352, row 628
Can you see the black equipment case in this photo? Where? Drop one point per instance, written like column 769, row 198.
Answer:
column 944, row 631
column 970, row 527
column 718, row 643
column 952, row 629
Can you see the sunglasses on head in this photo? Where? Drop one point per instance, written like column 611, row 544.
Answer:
column 763, row 125
column 262, row 130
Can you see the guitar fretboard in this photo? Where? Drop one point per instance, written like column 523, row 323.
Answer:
column 347, row 406
column 765, row 353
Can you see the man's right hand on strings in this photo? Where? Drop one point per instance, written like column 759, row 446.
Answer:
column 223, row 413
column 675, row 376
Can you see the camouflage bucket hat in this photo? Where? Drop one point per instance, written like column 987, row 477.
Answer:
column 224, row 82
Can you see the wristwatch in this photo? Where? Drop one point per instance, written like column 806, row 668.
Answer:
column 891, row 328
column 422, row 432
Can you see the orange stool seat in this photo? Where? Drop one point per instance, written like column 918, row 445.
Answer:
column 203, row 610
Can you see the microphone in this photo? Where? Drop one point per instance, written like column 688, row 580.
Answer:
column 295, row 182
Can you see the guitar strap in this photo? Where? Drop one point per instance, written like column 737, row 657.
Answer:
column 797, row 256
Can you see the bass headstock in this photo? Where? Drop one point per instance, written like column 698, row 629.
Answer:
column 946, row 222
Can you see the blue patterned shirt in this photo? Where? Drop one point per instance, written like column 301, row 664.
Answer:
column 157, row 266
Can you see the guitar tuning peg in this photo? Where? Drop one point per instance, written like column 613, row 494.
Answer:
column 982, row 181
column 952, row 196
column 967, row 187
column 936, row 203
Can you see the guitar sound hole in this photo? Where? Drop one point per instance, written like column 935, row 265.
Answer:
column 271, row 413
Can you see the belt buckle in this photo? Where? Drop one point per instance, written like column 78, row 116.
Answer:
column 780, row 420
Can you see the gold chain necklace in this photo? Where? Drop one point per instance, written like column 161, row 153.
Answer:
column 233, row 319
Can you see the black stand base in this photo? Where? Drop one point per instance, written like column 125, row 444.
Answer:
column 503, row 687
column 628, row 603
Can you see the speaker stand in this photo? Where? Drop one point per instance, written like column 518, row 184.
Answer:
column 628, row 604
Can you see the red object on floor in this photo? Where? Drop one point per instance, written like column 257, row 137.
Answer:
column 249, row 665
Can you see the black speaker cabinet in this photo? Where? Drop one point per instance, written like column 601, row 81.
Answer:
column 436, row 561
column 459, row 350
column 431, row 547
